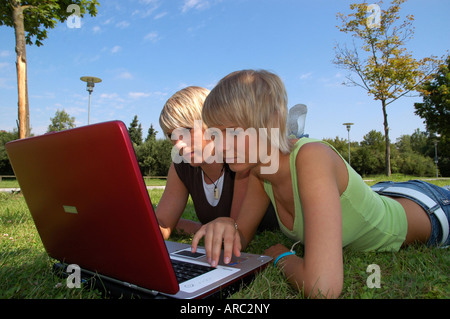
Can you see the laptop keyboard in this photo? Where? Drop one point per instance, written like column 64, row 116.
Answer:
column 185, row 270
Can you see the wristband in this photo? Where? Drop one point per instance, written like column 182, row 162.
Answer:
column 291, row 252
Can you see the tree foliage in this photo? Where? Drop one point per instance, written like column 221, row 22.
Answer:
column 153, row 155
column 435, row 108
column 135, row 131
column 411, row 154
column 5, row 165
column 382, row 65
column 62, row 121
column 42, row 15
column 368, row 158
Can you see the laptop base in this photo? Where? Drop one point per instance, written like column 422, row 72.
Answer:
column 114, row 289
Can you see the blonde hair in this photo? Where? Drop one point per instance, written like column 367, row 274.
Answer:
column 250, row 99
column 183, row 108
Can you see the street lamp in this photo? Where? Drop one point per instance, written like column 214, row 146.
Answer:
column 436, row 159
column 348, row 125
column 90, row 80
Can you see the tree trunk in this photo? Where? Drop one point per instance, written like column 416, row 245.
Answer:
column 21, row 64
column 387, row 140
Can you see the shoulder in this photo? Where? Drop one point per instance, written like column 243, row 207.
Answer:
column 316, row 152
column 318, row 162
column 188, row 174
column 229, row 172
column 309, row 145
column 184, row 168
column 315, row 159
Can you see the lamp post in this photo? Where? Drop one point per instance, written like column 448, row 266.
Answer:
column 436, row 159
column 348, row 125
column 90, row 80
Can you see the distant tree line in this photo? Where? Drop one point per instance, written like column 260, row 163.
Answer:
column 415, row 154
column 153, row 155
column 411, row 155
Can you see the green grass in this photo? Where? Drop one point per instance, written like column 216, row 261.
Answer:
column 25, row 268
column 416, row 272
column 13, row 183
column 442, row 181
column 9, row 183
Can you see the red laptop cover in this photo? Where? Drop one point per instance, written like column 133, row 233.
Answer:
column 90, row 204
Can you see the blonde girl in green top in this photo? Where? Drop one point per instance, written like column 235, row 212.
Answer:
column 320, row 200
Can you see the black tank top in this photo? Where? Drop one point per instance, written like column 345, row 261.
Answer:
column 192, row 179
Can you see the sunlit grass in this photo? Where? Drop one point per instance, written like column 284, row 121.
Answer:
column 414, row 272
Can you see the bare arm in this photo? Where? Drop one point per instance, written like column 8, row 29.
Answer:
column 239, row 192
column 321, row 179
column 172, row 203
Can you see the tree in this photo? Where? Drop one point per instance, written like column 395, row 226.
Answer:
column 368, row 158
column 151, row 134
column 145, row 154
column 154, row 157
column 435, row 108
column 163, row 151
column 415, row 154
column 5, row 165
column 135, row 131
column 61, row 121
column 30, row 20
column 420, row 143
column 340, row 144
column 383, row 66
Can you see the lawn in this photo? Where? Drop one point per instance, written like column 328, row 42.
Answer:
column 13, row 183
column 416, row 272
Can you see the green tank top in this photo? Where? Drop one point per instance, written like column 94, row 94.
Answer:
column 370, row 222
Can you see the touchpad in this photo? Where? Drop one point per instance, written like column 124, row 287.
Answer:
column 187, row 253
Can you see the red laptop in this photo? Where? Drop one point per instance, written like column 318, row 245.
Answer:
column 91, row 208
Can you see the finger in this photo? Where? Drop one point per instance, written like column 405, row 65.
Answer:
column 228, row 243
column 216, row 248
column 209, row 244
column 237, row 245
column 198, row 235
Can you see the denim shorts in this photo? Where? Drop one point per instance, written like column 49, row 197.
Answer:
column 433, row 199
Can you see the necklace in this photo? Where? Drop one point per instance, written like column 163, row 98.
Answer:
column 216, row 190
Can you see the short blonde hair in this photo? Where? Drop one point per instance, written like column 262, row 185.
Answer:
column 250, row 99
column 183, row 108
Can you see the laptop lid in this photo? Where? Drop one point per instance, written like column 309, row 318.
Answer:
column 91, row 207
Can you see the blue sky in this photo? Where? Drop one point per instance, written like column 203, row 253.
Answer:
column 146, row 50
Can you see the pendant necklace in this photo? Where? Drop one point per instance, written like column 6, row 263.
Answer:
column 216, row 190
